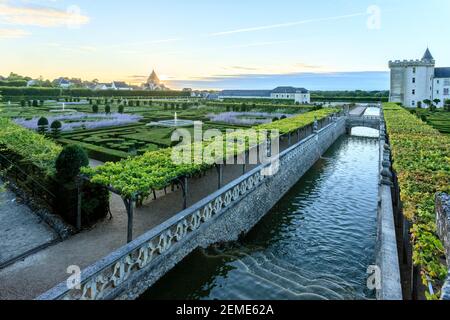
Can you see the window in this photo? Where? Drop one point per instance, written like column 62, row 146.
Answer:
column 414, row 70
column 446, row 91
column 414, row 80
column 437, row 91
column 447, row 82
column 414, row 92
column 413, row 102
column 438, row 82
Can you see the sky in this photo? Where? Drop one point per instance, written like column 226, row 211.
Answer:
column 232, row 44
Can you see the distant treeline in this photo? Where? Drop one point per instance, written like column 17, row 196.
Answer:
column 350, row 96
column 16, row 93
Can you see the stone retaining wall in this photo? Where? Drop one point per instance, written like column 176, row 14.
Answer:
column 443, row 227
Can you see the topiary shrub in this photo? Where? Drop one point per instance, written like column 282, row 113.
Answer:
column 42, row 125
column 121, row 109
column 108, row 109
column 56, row 129
column 95, row 108
column 69, row 162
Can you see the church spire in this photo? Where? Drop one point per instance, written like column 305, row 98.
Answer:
column 153, row 78
column 428, row 56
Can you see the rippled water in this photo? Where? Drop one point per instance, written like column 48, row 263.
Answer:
column 316, row 243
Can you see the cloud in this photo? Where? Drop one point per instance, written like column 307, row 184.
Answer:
column 31, row 15
column 364, row 80
column 13, row 33
column 286, row 25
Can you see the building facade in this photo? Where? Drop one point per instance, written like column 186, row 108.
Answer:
column 299, row 95
column 413, row 81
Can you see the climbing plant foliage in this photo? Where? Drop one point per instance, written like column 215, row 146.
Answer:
column 155, row 170
column 421, row 159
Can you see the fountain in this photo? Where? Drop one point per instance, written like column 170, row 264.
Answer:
column 175, row 123
column 63, row 110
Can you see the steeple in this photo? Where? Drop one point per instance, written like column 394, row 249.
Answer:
column 428, row 56
column 153, row 79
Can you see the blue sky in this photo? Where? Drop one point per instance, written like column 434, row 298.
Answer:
column 340, row 44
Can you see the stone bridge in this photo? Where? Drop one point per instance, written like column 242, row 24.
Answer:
column 372, row 122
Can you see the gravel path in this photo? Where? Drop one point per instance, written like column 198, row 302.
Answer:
column 21, row 231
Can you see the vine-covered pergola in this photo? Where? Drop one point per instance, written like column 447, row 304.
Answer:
column 136, row 179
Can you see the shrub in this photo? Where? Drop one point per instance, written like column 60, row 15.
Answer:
column 42, row 125
column 108, row 109
column 95, row 108
column 69, row 162
column 35, row 103
column 121, row 109
column 56, row 129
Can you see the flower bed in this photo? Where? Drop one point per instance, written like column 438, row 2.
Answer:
column 84, row 120
column 246, row 118
column 421, row 157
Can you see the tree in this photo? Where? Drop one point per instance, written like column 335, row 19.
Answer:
column 69, row 162
column 447, row 105
column 419, row 104
column 437, row 101
column 428, row 103
column 42, row 125
column 56, row 129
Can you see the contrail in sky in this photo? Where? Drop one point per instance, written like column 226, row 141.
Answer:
column 285, row 25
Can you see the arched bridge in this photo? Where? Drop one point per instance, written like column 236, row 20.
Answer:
column 372, row 122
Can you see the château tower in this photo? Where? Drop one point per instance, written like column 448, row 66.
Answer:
column 412, row 80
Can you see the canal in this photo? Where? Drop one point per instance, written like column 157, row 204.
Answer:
column 316, row 243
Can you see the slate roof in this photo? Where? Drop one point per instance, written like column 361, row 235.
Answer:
column 428, row 56
column 246, row 93
column 289, row 90
column 442, row 72
column 261, row 93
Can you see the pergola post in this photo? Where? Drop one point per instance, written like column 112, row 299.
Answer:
column 219, row 168
column 79, row 201
column 184, row 187
column 129, row 205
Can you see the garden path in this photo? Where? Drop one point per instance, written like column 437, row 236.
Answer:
column 21, row 231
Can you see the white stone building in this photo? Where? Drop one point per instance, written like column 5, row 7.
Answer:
column 413, row 81
column 300, row 95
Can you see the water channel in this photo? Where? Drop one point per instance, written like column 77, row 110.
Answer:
column 316, row 243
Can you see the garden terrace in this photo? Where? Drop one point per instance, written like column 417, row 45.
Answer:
column 421, row 161
column 155, row 170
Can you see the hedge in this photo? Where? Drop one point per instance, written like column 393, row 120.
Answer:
column 59, row 93
column 421, row 160
column 34, row 158
column 30, row 146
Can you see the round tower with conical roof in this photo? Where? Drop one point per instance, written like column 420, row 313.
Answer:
column 412, row 80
